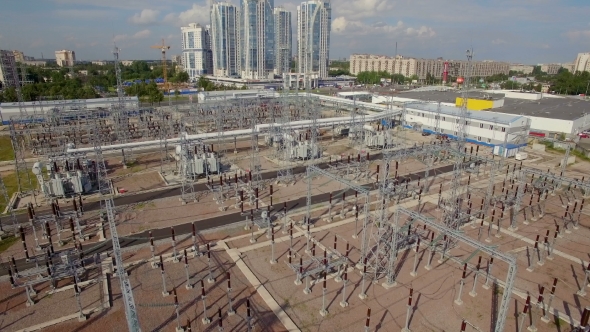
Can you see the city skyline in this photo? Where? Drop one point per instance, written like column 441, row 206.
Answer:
column 498, row 30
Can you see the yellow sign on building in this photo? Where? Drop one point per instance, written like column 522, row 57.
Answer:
column 475, row 104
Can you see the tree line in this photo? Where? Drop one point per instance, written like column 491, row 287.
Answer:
column 96, row 81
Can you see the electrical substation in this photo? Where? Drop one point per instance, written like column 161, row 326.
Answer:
column 292, row 211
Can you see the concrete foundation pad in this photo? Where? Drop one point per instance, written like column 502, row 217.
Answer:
column 343, row 304
column 324, row 313
column 188, row 286
column 306, row 291
column 206, row 321
column 413, row 274
column 458, row 302
column 231, row 312
column 545, row 320
column 485, row 286
column 362, row 296
column 82, row 318
column 388, row 285
column 472, row 294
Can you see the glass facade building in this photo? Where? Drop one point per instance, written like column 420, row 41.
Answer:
column 224, row 39
column 313, row 37
column 256, row 42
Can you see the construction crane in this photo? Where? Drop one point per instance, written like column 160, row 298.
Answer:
column 163, row 48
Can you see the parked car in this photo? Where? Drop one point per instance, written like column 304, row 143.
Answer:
column 424, row 133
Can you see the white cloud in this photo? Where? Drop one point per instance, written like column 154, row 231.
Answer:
column 578, row 34
column 142, row 34
column 82, row 14
column 196, row 14
column 345, row 27
column 360, row 9
column 138, row 35
column 422, row 31
column 145, row 17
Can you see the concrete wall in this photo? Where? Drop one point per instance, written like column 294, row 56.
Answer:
column 581, row 124
column 517, row 94
column 539, row 147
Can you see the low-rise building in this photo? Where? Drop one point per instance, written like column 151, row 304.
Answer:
column 551, row 68
column 424, row 67
column 525, row 69
column 487, row 128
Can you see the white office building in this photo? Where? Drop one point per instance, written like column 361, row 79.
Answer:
column 196, row 51
column 283, row 41
column 314, row 19
column 65, row 58
column 257, row 29
column 224, row 39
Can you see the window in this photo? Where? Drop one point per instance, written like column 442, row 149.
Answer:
column 455, row 133
column 491, row 127
column 456, row 120
column 503, row 129
column 444, row 118
column 479, row 138
column 422, row 114
column 466, row 123
column 481, row 125
column 489, row 140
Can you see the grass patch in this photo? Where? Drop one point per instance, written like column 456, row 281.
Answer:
column 576, row 153
column 7, row 242
column 6, row 151
column 10, row 181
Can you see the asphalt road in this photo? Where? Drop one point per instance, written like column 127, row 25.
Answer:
column 141, row 238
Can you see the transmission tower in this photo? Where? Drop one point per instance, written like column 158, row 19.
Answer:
column 121, row 118
column 453, row 213
column 104, row 187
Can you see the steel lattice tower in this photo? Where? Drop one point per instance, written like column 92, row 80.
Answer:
column 452, row 214
column 105, row 189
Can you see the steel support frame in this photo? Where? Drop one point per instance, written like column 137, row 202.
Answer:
column 491, row 251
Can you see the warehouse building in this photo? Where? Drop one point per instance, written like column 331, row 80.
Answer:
column 549, row 114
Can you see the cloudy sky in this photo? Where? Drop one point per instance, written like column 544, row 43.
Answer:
column 528, row 31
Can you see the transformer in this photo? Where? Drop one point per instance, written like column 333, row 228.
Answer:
column 193, row 163
column 72, row 179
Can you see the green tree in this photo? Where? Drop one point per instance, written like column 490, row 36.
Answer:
column 176, row 94
column 182, row 77
column 10, row 95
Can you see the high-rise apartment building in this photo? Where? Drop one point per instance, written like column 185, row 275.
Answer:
column 256, row 43
column 313, row 37
column 582, row 62
column 8, row 72
column 283, row 41
column 65, row 58
column 224, row 39
column 196, row 51
column 422, row 67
